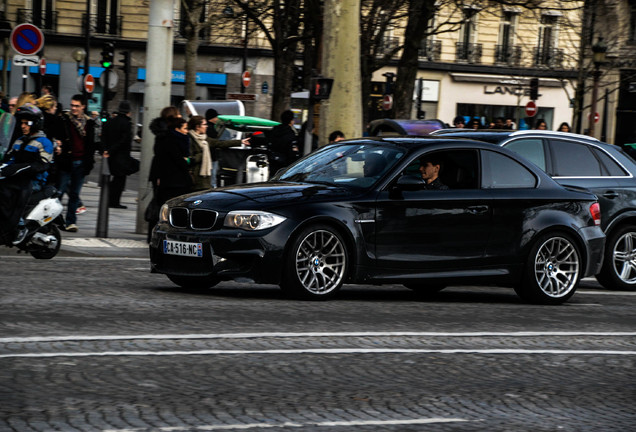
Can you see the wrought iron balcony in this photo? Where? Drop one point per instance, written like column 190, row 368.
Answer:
column 45, row 20
column 430, row 50
column 548, row 57
column 103, row 24
column 389, row 46
column 469, row 53
column 508, row 54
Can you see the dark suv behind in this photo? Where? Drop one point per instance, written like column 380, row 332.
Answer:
column 579, row 160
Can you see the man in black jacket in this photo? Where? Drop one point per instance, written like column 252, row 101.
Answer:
column 284, row 143
column 117, row 138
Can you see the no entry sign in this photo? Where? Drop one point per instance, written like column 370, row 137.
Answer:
column 26, row 39
column 42, row 66
column 387, row 102
column 531, row 109
column 89, row 83
column 247, row 78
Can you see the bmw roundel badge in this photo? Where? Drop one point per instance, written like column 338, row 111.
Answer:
column 197, row 202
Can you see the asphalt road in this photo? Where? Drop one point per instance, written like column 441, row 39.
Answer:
column 90, row 343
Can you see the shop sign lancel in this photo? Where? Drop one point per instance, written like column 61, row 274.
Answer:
column 503, row 90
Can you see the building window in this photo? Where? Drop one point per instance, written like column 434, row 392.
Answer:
column 467, row 50
column 106, row 19
column 43, row 14
column 546, row 54
column 505, row 51
column 430, row 49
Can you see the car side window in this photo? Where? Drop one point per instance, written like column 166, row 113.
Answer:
column 612, row 167
column 459, row 168
column 531, row 149
column 500, row 172
column 574, row 160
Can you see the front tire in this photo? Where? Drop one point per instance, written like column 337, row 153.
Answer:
column 552, row 270
column 316, row 265
column 44, row 252
column 619, row 263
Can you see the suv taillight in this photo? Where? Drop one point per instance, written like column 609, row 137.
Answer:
column 595, row 211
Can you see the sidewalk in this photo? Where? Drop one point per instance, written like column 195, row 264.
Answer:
column 121, row 237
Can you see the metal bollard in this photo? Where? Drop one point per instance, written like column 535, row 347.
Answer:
column 101, row 229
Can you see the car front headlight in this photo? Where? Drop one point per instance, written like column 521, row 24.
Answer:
column 251, row 220
column 164, row 213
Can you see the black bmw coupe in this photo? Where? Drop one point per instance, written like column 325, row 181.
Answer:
column 360, row 211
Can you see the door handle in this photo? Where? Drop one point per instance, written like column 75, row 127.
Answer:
column 610, row 194
column 478, row 209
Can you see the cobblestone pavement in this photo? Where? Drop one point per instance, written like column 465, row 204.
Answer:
column 99, row 344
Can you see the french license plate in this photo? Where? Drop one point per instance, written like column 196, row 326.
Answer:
column 171, row 247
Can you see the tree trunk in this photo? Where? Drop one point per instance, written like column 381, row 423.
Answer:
column 191, row 47
column 281, row 99
column 419, row 13
column 341, row 61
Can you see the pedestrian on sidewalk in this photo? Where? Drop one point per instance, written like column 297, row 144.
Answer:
column 217, row 139
column 77, row 157
column 117, row 141
column 167, row 152
column 200, row 155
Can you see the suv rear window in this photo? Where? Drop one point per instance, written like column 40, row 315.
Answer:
column 574, row 160
column 612, row 167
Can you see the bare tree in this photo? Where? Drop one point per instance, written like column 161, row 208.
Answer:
column 279, row 21
column 196, row 20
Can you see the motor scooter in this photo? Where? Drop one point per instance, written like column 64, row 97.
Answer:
column 42, row 218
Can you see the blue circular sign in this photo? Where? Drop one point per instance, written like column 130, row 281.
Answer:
column 26, row 39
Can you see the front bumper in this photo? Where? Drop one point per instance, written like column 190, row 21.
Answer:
column 227, row 254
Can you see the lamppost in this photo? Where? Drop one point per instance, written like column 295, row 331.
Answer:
column 78, row 54
column 598, row 49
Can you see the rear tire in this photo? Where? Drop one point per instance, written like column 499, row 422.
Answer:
column 553, row 269
column 619, row 264
column 193, row 282
column 45, row 252
column 317, row 264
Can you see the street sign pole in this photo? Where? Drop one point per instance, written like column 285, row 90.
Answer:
column 101, row 229
column 27, row 40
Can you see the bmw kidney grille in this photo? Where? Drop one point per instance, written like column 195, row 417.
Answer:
column 197, row 219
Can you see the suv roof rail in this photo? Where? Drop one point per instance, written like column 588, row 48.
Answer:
column 564, row 134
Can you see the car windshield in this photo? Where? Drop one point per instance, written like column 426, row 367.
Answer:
column 351, row 165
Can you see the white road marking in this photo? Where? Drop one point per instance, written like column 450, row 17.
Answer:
column 317, row 351
column 298, row 425
column 72, row 338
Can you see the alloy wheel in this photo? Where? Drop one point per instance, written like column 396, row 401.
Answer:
column 320, row 262
column 556, row 267
column 624, row 258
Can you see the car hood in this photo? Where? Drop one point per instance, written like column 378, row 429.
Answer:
column 259, row 195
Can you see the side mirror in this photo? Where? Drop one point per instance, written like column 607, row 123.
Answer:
column 410, row 182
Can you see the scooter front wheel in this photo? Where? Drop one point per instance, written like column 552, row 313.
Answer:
column 50, row 250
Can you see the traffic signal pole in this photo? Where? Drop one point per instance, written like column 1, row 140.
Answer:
column 101, row 229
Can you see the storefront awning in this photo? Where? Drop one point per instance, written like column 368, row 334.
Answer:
column 502, row 79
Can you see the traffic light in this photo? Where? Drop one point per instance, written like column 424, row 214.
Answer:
column 298, row 79
column 108, row 55
column 534, row 89
column 125, row 61
column 321, row 88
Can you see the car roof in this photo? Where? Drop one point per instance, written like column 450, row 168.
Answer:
column 412, row 144
column 498, row 135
